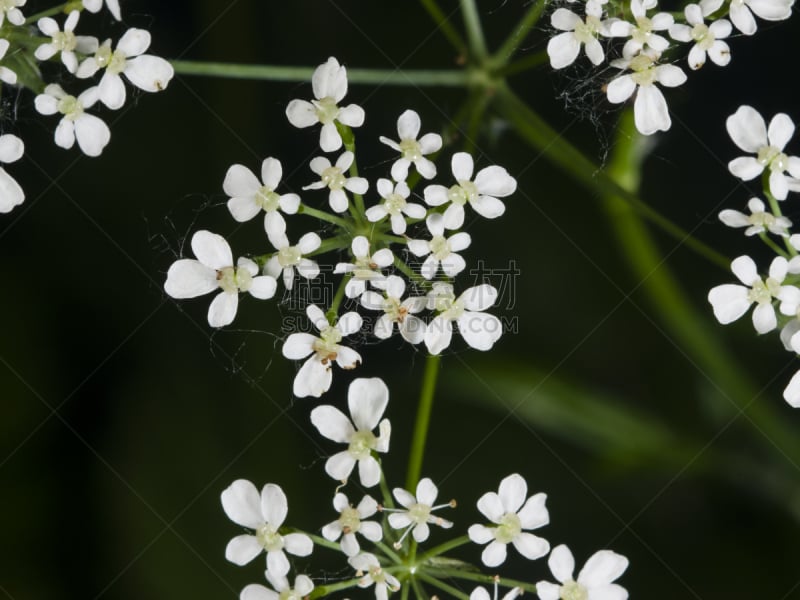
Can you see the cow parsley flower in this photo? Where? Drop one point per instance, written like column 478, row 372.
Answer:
column 333, row 177
column 369, row 569
column 758, row 221
column 595, row 580
column 650, row 112
column 479, row 329
column 94, row 6
column 396, row 310
column 288, row 258
column 741, row 12
column 481, row 194
column 731, row 301
column 9, row 9
column 314, row 377
column 366, row 400
column 11, row 194
column 395, row 205
column 264, row 513
column 365, row 267
column 65, row 42
column 6, row 75
column 145, row 71
column 564, row 48
column 707, row 38
column 418, row 511
column 512, row 514
column 329, row 83
column 750, row 133
column 351, row 521
column 91, row 132
column 303, row 586
column 642, row 34
column 214, row 269
column 439, row 249
column 249, row 196
column 413, row 151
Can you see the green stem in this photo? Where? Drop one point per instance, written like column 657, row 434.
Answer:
column 538, row 134
column 772, row 245
column 469, row 576
column 421, row 594
column 507, row 49
column 423, row 421
column 444, row 25
column 349, row 140
column 405, row 77
column 472, row 23
column 47, row 13
column 445, row 547
column 522, row 65
column 338, row 242
column 390, row 554
column 323, row 216
column 333, row 311
column 325, row 590
column 388, row 502
column 454, row 592
column 321, row 541
column 776, row 210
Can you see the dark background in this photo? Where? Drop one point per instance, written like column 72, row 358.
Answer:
column 124, row 416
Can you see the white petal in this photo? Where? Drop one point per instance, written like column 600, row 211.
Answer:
column 792, row 392
column 436, row 195
column 781, row 130
column 480, row 534
column 764, row 318
column 548, row 591
column 301, row 113
column 332, row 424
column 491, row 506
column 11, row 194
column 564, row 19
column 745, row 168
column 255, row 591
column 329, row 138
column 273, row 504
column 408, row 125
column 339, row 466
column 242, row 503
column 747, row 129
column 729, row 302
column 480, row 330
column 534, row 513
column 531, row 546
column 494, row 554
column 620, row 89
column 298, row 544
column 438, row 335
column 277, row 563
column 351, row 115
column 427, row 491
column 650, row 111
column 745, row 270
column 134, row 42
column 149, row 73
column 512, row 492
column 242, row 549
column 369, row 471
column 367, row 400
column 563, row 49
column 561, row 563
column 188, row 278
column 313, row 379
column 223, row 308
column 602, row 568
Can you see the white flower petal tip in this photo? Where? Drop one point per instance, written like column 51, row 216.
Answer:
column 595, row 579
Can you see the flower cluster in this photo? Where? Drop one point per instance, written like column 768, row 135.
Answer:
column 780, row 174
column 649, row 39
column 82, row 57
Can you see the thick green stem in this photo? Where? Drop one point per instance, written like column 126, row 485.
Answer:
column 323, row 216
column 480, row 577
column 325, row 590
column 522, row 65
column 446, row 547
column 472, row 23
column 61, row 8
column 507, row 49
column 454, row 592
column 423, row 421
column 443, row 23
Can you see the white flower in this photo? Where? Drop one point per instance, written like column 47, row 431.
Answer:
column 792, row 392
column 418, row 511
column 707, row 38
column 650, row 111
column 413, row 151
column 366, row 400
column 397, row 311
column 289, row 258
column 11, row 194
column 264, row 514
column 642, row 36
column 509, row 510
column 314, row 377
column 750, row 133
column 303, row 586
column 480, row 593
column 365, row 267
column 9, row 9
column 333, row 177
column 482, row 193
column 351, row 521
column 249, row 196
column 91, row 132
column 65, row 42
column 395, row 205
column 479, row 329
column 94, row 6
column 369, row 569
column 741, row 12
column 147, row 72
column 6, row 75
column 594, row 580
column 440, row 250
column 214, row 269
column 329, row 83
column 564, row 48
column 731, row 301
column 758, row 221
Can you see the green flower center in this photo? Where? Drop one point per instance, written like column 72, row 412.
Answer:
column 573, row 591
column 268, row 200
column 443, row 300
column 269, row 538
column 395, row 311
column 234, row 279
column 585, row 32
column 411, row 150
column 440, row 247
column 289, row 594
column 642, row 32
column 326, row 110
column 394, row 204
column 289, row 256
column 764, row 291
column 64, row 41
column 703, row 36
column 644, row 71
column 333, row 178
column 419, row 513
column 327, row 344
column 350, row 520
column 361, row 444
column 770, row 155
column 117, row 63
column 509, row 528
column 70, row 107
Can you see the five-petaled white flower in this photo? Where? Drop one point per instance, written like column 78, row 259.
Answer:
column 365, row 267
column 650, row 112
column 479, row 329
column 482, row 194
column 395, row 205
column 750, row 133
column 91, row 132
column 417, row 514
column 214, row 269
column 731, row 301
column 9, row 9
column 758, row 221
column 396, row 310
column 263, row 513
column 439, row 249
column 564, row 48
column 11, row 194
column 303, row 586
column 289, row 258
column 512, row 513
column 333, row 177
column 413, row 151
column 741, row 12
column 369, row 569
column 329, row 83
column 314, row 377
column 595, row 580
column 65, row 42
column 94, row 6
column 707, row 38
column 6, row 75
column 249, row 196
column 145, row 71
column 351, row 521
column 366, row 399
